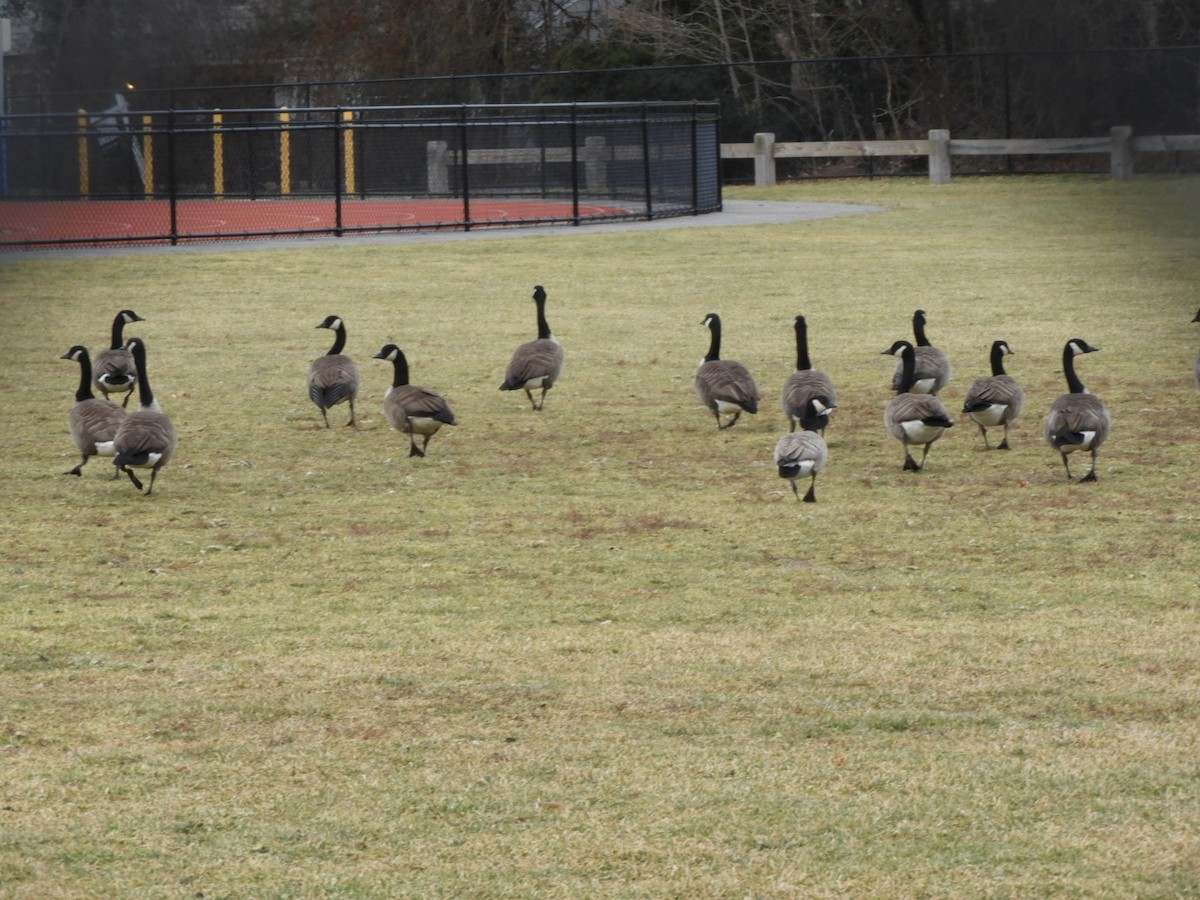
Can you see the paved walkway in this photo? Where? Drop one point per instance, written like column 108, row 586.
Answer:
column 734, row 212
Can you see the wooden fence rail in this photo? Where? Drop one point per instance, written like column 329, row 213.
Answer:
column 1121, row 146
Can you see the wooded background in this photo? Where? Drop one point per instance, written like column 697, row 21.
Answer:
column 803, row 69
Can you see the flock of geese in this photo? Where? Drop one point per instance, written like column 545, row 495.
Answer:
column 915, row 416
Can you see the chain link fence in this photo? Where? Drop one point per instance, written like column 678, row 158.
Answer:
column 122, row 175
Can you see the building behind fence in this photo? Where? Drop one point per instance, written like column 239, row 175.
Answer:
column 359, row 169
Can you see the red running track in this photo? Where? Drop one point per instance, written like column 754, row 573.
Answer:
column 149, row 221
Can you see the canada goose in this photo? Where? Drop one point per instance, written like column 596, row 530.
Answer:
column 334, row 377
column 804, row 452
column 410, row 408
column 725, row 386
column 994, row 399
column 933, row 369
column 1197, row 319
column 805, row 383
column 913, row 418
column 93, row 422
column 146, row 439
column 1077, row 420
column 538, row 363
column 113, row 371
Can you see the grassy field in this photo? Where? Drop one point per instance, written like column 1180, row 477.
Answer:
column 601, row 650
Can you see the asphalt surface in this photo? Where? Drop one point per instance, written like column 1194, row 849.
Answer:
column 734, row 213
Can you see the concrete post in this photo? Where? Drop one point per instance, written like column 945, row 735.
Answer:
column 764, row 159
column 1122, row 152
column 939, row 156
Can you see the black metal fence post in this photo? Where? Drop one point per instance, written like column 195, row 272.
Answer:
column 172, row 185
column 574, row 164
column 338, row 171
column 464, row 178
column 646, row 167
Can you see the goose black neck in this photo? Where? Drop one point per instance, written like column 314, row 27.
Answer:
column 542, row 324
column 714, row 340
column 802, row 360
column 1074, row 385
column 339, row 341
column 919, row 329
column 908, row 370
column 145, row 395
column 400, row 375
column 118, row 332
column 85, row 378
column 997, row 358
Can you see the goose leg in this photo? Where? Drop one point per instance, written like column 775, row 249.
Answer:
column 76, row 470
column 153, row 473
column 1067, row 466
column 730, row 423
column 986, row 443
column 532, row 403
column 352, row 423
column 125, row 402
column 413, row 449
column 324, row 416
column 1091, row 475
column 1004, row 443
column 136, row 481
column 811, row 496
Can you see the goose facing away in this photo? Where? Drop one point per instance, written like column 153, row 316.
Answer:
column 537, row 363
column 334, row 378
column 93, row 422
column 994, row 399
column 113, row 371
column 911, row 418
column 806, row 383
column 1077, row 420
column 146, row 439
column 410, row 408
column 932, row 367
column 804, row 452
column 725, row 386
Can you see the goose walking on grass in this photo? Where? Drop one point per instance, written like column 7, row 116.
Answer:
column 994, row 399
column 806, row 383
column 537, row 363
column 334, row 378
column 410, row 408
column 93, row 422
column 804, row 453
column 146, row 439
column 1077, row 420
column 911, row 418
column 932, row 369
column 725, row 386
column 113, row 371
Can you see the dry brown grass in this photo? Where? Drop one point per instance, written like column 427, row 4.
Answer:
column 601, row 650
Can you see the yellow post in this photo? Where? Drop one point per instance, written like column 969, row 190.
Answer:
column 148, row 156
column 285, row 153
column 85, row 169
column 348, row 151
column 218, row 157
